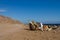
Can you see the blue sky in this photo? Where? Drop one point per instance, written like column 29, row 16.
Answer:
column 46, row 11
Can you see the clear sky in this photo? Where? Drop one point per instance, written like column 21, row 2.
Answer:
column 46, row 11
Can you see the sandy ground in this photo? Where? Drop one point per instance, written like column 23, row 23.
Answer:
column 19, row 32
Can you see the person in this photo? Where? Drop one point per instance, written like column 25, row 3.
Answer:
column 46, row 28
column 41, row 27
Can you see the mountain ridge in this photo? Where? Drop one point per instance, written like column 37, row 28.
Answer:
column 5, row 19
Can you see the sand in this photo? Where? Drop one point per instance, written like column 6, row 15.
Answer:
column 20, row 32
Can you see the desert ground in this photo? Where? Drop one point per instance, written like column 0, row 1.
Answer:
column 21, row 32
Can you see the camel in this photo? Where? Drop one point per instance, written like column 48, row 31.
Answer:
column 35, row 26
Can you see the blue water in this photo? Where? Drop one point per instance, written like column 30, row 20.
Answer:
column 52, row 24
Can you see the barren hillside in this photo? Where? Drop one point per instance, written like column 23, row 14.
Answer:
column 4, row 19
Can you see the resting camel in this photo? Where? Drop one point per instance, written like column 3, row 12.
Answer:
column 34, row 26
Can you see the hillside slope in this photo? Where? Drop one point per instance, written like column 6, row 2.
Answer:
column 4, row 19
